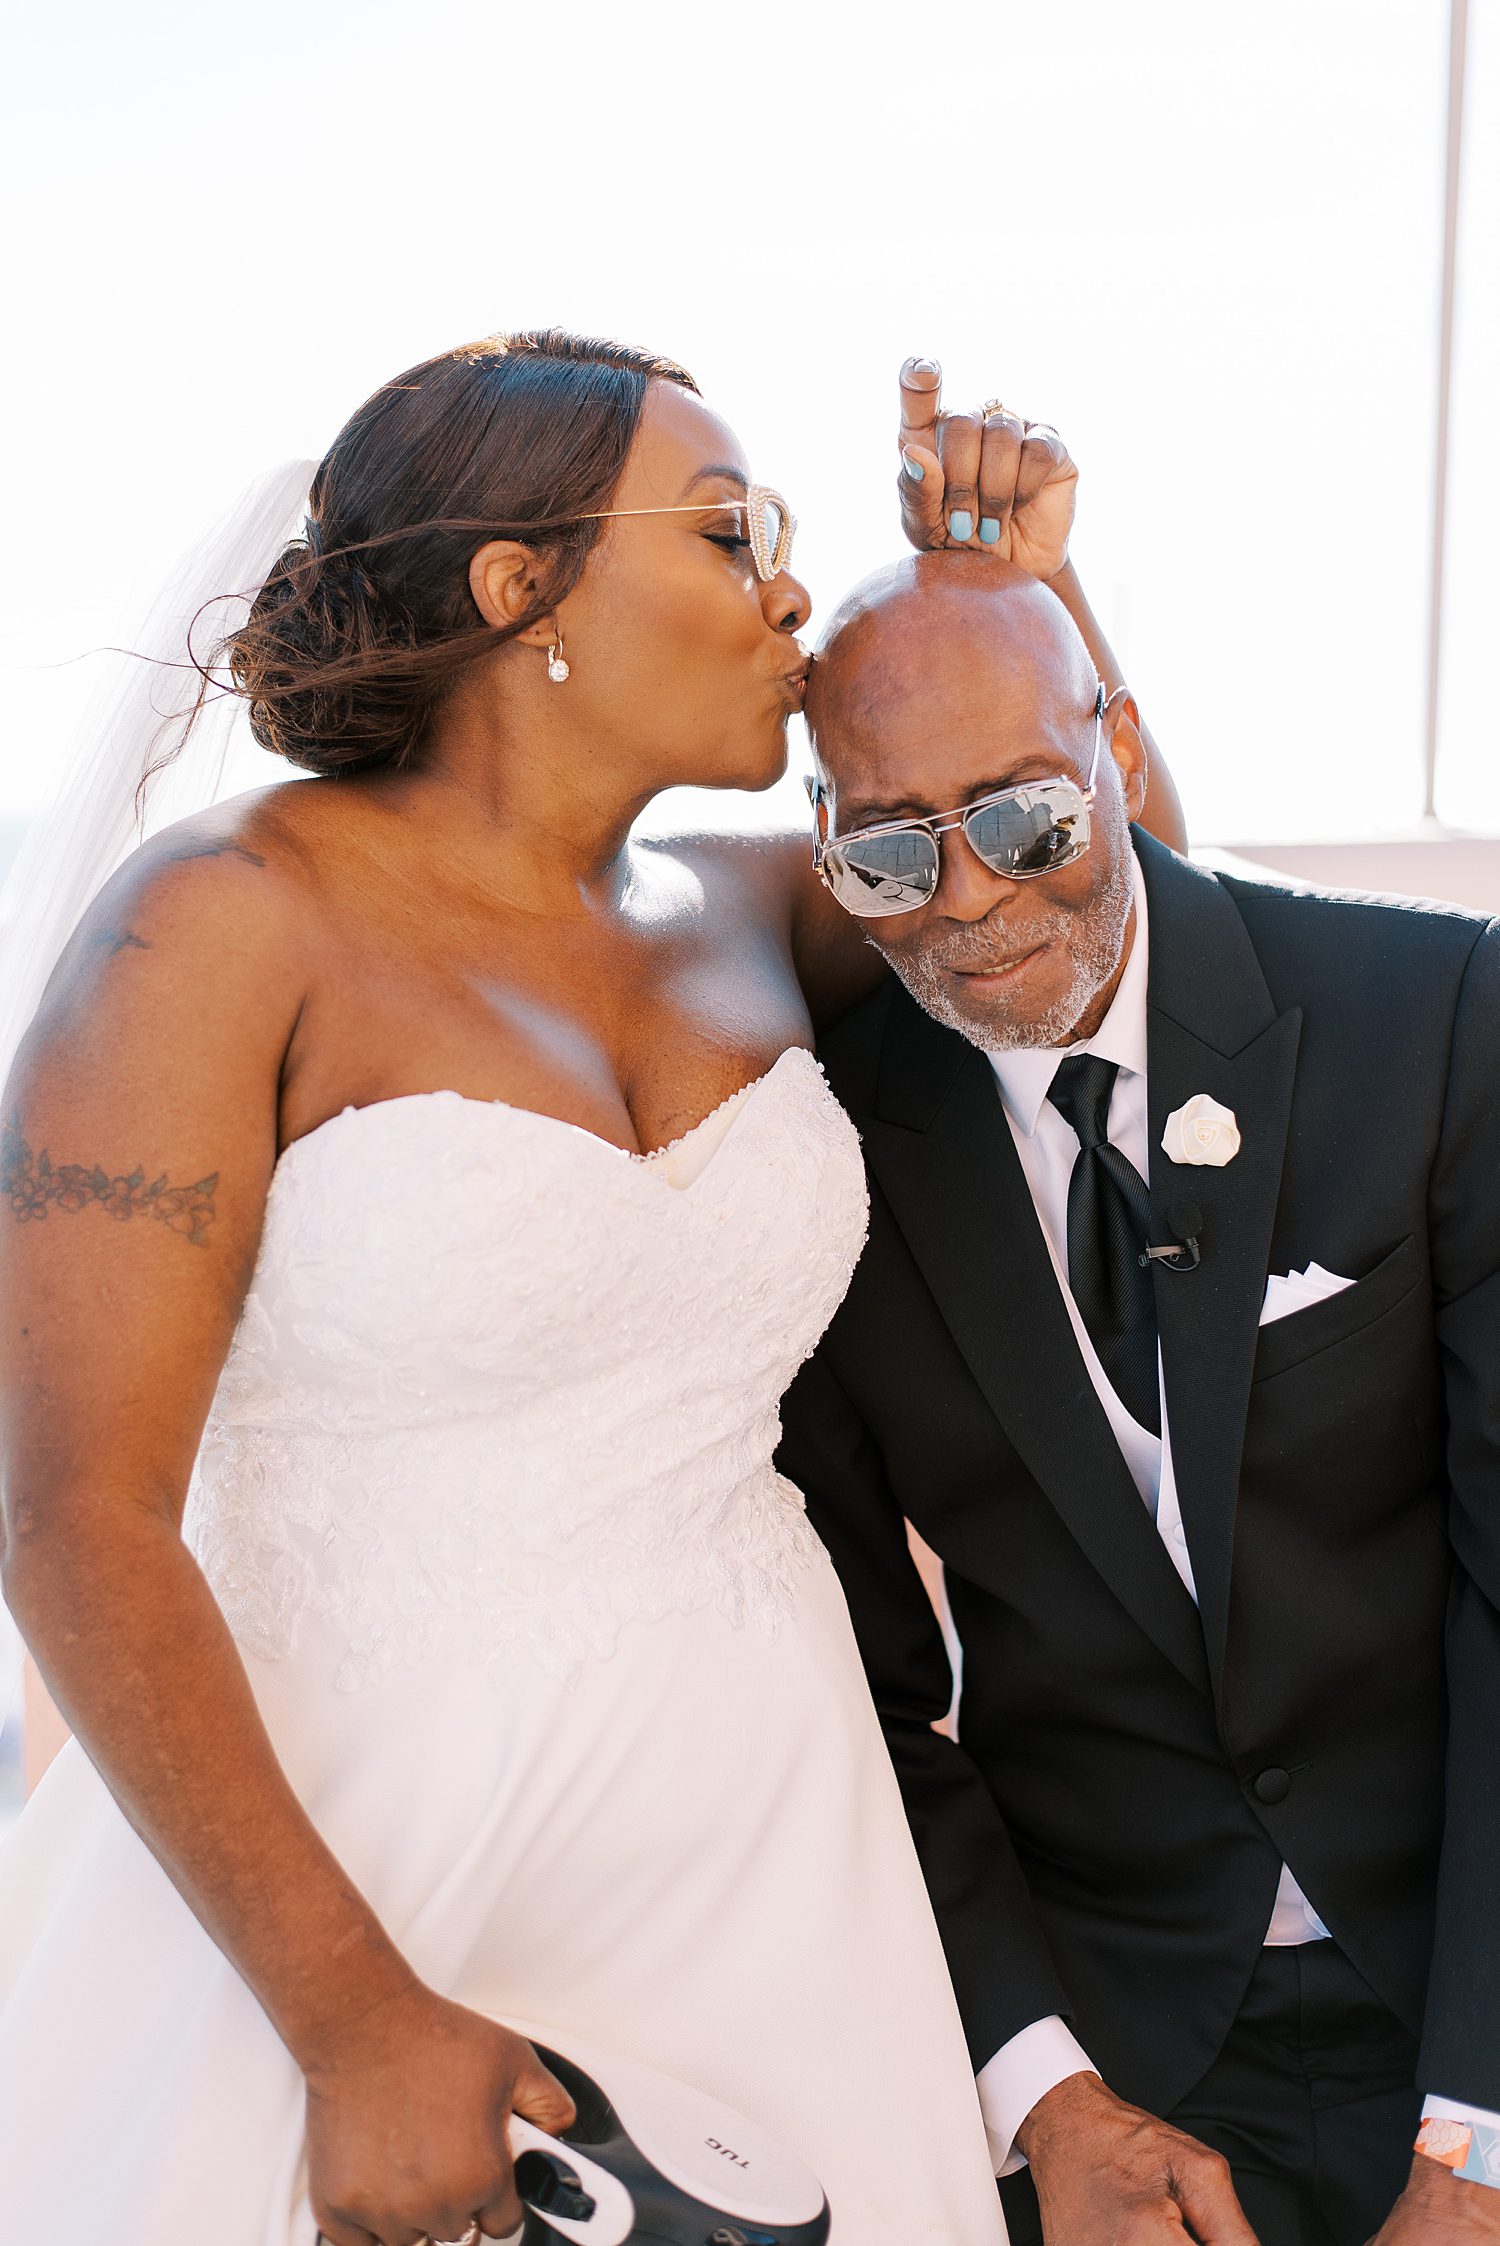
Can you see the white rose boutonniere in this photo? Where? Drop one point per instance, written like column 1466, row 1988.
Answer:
column 1202, row 1133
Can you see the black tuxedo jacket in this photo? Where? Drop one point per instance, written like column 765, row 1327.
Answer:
column 1104, row 1838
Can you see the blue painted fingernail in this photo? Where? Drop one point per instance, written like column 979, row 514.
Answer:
column 913, row 466
column 960, row 523
column 989, row 530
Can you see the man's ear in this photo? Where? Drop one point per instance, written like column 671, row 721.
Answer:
column 1129, row 752
column 503, row 580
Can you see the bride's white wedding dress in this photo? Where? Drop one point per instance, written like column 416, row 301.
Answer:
column 549, row 1652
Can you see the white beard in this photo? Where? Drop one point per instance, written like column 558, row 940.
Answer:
column 1092, row 941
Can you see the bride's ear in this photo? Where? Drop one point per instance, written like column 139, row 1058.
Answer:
column 503, row 580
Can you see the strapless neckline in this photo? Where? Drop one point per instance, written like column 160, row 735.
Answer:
column 651, row 1161
column 499, row 1386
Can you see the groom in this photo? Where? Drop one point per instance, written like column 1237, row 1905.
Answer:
column 1216, row 1850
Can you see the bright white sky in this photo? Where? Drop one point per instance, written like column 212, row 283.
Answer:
column 1202, row 240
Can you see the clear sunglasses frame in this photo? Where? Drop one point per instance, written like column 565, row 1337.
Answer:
column 948, row 822
column 771, row 551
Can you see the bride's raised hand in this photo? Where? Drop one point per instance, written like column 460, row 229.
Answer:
column 406, row 2123
column 992, row 481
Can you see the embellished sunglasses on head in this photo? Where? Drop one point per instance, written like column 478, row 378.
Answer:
column 1021, row 832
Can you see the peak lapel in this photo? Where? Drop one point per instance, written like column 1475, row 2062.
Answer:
column 1212, row 1027
column 941, row 1151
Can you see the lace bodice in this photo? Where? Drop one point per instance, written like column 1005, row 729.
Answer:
column 499, row 1386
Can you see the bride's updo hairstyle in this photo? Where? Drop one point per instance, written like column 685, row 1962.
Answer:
column 363, row 625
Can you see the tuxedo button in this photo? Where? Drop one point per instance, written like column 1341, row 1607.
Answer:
column 1272, row 1786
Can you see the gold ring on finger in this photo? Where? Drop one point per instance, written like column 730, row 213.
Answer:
column 995, row 406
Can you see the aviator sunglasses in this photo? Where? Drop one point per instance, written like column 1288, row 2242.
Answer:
column 1021, row 832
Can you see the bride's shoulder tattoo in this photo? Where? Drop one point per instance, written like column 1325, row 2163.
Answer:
column 212, row 846
column 34, row 1185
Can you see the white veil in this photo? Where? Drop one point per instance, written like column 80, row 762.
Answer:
column 100, row 812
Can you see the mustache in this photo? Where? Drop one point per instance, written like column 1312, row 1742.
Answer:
column 960, row 954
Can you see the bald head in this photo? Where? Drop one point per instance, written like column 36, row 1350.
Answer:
column 937, row 646
column 947, row 679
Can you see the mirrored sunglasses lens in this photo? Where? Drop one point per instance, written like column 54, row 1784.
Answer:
column 778, row 534
column 1031, row 833
column 885, row 874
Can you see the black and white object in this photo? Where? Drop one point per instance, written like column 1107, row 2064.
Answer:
column 1183, row 1253
column 652, row 2160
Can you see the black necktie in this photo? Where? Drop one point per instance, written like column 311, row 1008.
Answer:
column 1109, row 1210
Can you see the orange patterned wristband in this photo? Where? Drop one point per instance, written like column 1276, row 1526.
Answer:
column 1471, row 2149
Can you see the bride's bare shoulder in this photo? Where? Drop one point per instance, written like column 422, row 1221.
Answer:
column 767, row 877
column 283, row 829
column 220, row 904
column 760, row 870
column 262, row 854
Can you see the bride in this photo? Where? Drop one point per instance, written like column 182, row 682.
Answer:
column 420, row 1195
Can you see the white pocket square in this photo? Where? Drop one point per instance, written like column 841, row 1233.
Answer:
column 1298, row 1290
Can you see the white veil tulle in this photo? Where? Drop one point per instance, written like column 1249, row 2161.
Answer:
column 101, row 812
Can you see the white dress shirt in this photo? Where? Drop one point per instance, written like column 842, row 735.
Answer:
column 1045, row 2053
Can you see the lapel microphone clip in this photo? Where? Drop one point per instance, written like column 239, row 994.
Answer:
column 1182, row 1254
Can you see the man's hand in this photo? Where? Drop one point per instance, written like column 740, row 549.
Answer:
column 992, row 481
column 1105, row 2170
column 1438, row 2208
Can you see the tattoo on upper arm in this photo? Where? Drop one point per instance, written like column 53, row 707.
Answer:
column 116, row 940
column 34, row 1185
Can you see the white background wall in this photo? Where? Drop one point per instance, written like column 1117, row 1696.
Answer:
column 1204, row 241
